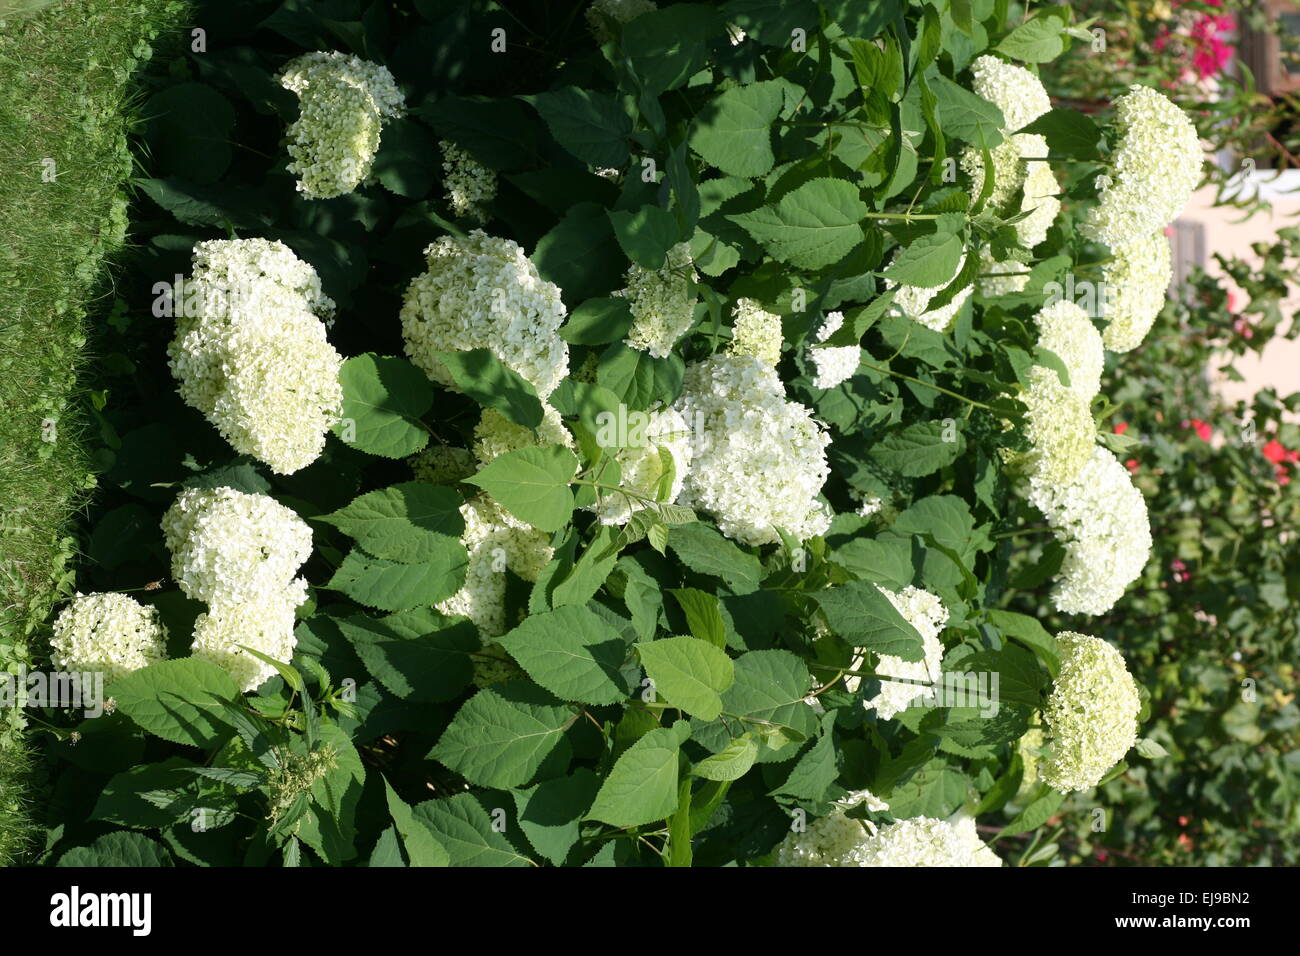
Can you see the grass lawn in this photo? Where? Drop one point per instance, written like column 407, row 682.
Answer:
column 65, row 113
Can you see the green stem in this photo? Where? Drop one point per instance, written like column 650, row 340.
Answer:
column 1036, row 529
column 937, row 388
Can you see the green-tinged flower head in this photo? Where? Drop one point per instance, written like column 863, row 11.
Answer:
column 1155, row 168
column 1065, row 330
column 1136, row 280
column 661, row 302
column 1059, row 425
column 838, row 840
column 470, row 186
column 483, row 292
column 343, row 102
column 1091, row 714
column 755, row 332
column 110, row 633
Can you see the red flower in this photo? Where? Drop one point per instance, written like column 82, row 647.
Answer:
column 1274, row 451
column 1121, row 428
column 1132, row 465
column 1202, row 429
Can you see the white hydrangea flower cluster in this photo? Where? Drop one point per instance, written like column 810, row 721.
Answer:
column 602, row 13
column 925, row 612
column 661, row 302
column 1059, row 425
column 228, row 546
column 470, row 186
column 834, row 364
column 643, row 467
column 1136, row 280
column 108, row 633
column 1041, row 200
column 837, row 840
column 1101, row 518
column 758, row 461
column 255, row 359
column 1155, row 168
column 484, row 292
column 1065, row 329
column 266, row 625
column 914, row 301
column 494, row 435
column 495, row 541
column 343, row 102
column 1001, row 277
column 239, row 553
column 755, row 332
column 1091, row 714
column 1021, row 97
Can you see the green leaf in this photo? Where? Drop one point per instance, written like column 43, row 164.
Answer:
column 703, row 549
column 119, row 848
column 121, row 801
column 197, row 204
column 645, row 234
column 667, row 46
column 417, row 655
column 965, row 116
column 929, row 261
column 730, row 763
column 688, row 673
column 879, row 560
column 532, row 484
column 399, row 586
column 918, row 449
column 863, row 616
column 580, row 254
column 493, row 384
column 590, row 125
column 1039, row 39
column 188, row 131
column 467, row 832
column 734, row 130
column 816, row 770
column 1068, row 133
column 503, row 734
column 422, row 849
column 642, row 785
column 1031, row 633
column 812, row 226
column 329, row 826
column 1035, row 815
column 769, row 691
column 703, row 615
column 383, row 399
column 572, row 652
column 549, row 813
column 597, row 322
column 638, row 378
column 179, row 700
column 402, row 163
column 410, row 521
column 291, row 676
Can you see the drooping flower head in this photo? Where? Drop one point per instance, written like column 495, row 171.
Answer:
column 343, row 102
column 251, row 354
column 1091, row 714
column 109, row 633
column 1136, row 281
column 661, row 302
column 483, row 292
column 1059, row 425
column 755, row 332
column 1065, row 329
column 1155, row 169
column 1101, row 518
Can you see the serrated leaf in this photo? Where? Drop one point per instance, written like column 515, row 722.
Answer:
column 503, row 734
column 734, row 130
column 863, row 616
column 642, row 785
column 493, row 384
column 811, row 227
column 409, row 521
column 179, row 700
column 532, row 484
column 399, row 586
column 572, row 652
column 688, row 673
column 383, row 399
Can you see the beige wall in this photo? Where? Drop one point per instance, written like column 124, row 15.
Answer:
column 1279, row 364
